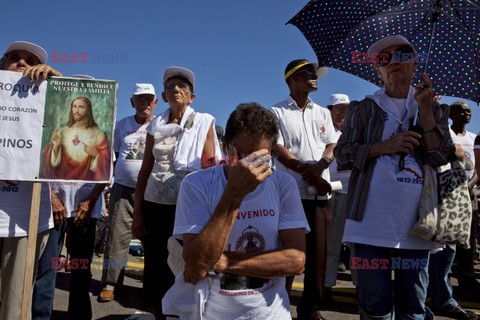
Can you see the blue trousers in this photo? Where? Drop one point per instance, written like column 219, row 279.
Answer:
column 440, row 289
column 44, row 287
column 375, row 286
column 81, row 241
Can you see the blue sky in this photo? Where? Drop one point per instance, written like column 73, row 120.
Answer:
column 238, row 50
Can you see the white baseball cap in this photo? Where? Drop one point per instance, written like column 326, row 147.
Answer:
column 38, row 51
column 387, row 42
column 338, row 98
column 143, row 88
column 179, row 72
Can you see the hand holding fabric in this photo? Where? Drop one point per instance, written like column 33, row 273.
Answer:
column 246, row 174
column 312, row 173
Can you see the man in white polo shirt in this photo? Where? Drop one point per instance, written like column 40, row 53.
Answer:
column 128, row 145
column 305, row 150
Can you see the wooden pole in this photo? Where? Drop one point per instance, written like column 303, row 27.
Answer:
column 31, row 248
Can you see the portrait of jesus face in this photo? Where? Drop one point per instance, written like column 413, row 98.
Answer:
column 79, row 110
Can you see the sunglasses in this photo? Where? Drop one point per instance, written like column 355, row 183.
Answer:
column 403, row 54
column 182, row 85
column 461, row 111
column 308, row 72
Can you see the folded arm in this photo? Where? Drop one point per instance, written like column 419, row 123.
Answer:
column 289, row 260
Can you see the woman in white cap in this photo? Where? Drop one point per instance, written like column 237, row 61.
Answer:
column 179, row 141
column 29, row 59
column 386, row 156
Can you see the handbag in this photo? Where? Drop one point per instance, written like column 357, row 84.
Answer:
column 445, row 210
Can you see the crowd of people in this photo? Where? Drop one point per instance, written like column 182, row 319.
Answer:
column 253, row 205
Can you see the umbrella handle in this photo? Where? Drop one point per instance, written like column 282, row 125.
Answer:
column 436, row 13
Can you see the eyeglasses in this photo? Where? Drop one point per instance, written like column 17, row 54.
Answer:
column 403, row 54
column 182, row 85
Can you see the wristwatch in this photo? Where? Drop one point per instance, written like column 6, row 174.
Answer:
column 327, row 160
column 212, row 272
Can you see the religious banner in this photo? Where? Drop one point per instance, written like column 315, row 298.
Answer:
column 70, row 134
column 21, row 118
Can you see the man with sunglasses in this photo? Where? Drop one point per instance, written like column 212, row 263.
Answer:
column 305, row 150
column 129, row 139
column 440, row 289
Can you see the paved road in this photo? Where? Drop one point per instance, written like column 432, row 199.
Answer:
column 127, row 304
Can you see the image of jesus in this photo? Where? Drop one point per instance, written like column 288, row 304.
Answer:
column 79, row 150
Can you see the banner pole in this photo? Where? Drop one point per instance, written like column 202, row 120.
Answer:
column 31, row 248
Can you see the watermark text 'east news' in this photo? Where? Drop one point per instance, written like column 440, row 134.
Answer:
column 86, row 57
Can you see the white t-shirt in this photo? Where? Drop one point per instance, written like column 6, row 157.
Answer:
column 275, row 205
column 467, row 141
column 129, row 142
column 342, row 176
column 72, row 193
column 305, row 134
column 393, row 199
column 15, row 205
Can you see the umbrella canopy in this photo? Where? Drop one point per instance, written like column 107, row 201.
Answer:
column 444, row 32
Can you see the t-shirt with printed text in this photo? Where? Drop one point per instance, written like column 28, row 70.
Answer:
column 275, row 205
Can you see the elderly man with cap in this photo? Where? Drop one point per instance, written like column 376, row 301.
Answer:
column 177, row 141
column 337, row 104
column 386, row 155
column 29, row 59
column 305, row 150
column 129, row 142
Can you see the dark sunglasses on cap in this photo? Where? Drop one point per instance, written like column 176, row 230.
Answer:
column 402, row 54
column 182, row 85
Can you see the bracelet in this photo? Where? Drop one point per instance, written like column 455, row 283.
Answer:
column 430, row 130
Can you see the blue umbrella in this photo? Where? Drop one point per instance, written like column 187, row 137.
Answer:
column 445, row 33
